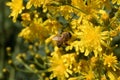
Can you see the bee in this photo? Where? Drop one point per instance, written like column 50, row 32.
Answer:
column 62, row 39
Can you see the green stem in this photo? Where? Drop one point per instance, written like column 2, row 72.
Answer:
column 77, row 9
column 40, row 65
column 12, row 74
column 27, row 67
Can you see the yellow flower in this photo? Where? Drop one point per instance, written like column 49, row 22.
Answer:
column 93, row 62
column 73, row 78
column 26, row 33
column 69, row 59
column 115, row 31
column 89, row 75
column 35, row 31
column 103, row 77
column 65, row 11
column 118, row 78
column 91, row 39
column 83, row 66
column 36, row 3
column 116, row 1
column 16, row 6
column 26, row 16
column 58, row 65
column 91, row 7
column 52, row 25
column 110, row 61
column 58, row 68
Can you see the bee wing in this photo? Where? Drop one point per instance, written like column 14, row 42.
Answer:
column 56, row 38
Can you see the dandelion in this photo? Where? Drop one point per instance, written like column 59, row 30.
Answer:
column 16, row 6
column 110, row 61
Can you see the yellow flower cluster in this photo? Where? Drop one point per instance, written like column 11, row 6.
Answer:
column 61, row 64
column 16, row 8
column 91, row 39
column 110, row 61
column 34, row 31
column 85, row 36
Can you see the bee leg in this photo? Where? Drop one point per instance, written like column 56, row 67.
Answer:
column 66, row 44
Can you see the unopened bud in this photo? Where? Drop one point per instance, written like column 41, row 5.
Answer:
column 4, row 70
column 10, row 61
column 8, row 49
column 32, row 66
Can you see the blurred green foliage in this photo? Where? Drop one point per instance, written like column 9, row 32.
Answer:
column 10, row 41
